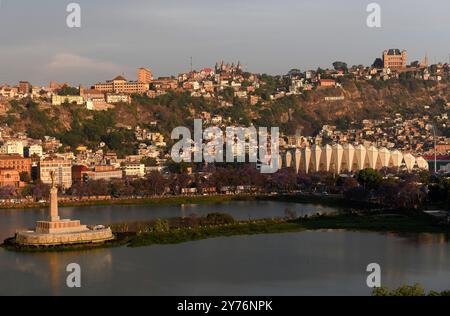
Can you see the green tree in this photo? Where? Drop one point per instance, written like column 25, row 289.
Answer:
column 369, row 178
column 25, row 177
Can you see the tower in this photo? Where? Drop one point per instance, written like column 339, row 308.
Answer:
column 54, row 216
column 425, row 62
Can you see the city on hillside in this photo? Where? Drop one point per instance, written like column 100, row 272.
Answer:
column 406, row 141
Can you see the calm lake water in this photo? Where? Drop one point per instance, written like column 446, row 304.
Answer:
column 308, row 263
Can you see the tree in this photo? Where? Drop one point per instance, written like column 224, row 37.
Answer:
column 149, row 162
column 349, row 183
column 387, row 193
column 25, row 177
column 219, row 219
column 340, row 66
column 121, row 188
column 410, row 196
column 294, row 73
column 415, row 290
column 97, row 188
column 41, row 191
column 415, row 64
column 369, row 178
column 155, row 183
column 66, row 90
column 356, row 194
column 7, row 192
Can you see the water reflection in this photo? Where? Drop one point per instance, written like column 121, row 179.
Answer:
column 308, row 263
column 327, row 262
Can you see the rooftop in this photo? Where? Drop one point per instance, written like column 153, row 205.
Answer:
column 394, row 52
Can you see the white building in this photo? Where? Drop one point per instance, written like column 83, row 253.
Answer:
column 347, row 158
column 118, row 98
column 12, row 147
column 33, row 150
column 134, row 170
column 61, row 99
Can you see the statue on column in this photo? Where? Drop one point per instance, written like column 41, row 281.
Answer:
column 54, row 217
column 52, row 176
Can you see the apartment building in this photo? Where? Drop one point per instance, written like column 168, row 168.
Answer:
column 133, row 169
column 12, row 147
column 61, row 168
column 33, row 150
column 144, row 75
column 121, row 85
column 118, row 98
column 16, row 162
column 11, row 178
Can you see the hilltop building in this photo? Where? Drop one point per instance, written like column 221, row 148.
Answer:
column 121, row 85
column 144, row 75
column 395, row 59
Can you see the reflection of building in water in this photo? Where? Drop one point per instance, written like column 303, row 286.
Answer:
column 58, row 231
column 57, row 264
column 55, row 280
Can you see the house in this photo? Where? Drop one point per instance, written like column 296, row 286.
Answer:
column 326, row 83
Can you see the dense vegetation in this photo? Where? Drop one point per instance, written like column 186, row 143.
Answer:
column 415, row 290
column 191, row 228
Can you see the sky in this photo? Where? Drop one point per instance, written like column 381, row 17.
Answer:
column 267, row 36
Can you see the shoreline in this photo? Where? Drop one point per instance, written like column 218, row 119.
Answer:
column 336, row 201
column 174, row 200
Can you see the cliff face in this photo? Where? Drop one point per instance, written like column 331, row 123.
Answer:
column 369, row 100
column 365, row 98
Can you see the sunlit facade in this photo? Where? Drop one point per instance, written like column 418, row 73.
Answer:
column 348, row 158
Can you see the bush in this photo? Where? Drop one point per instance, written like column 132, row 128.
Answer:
column 161, row 226
column 219, row 219
column 406, row 290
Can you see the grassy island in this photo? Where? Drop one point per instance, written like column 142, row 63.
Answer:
column 181, row 230
column 356, row 222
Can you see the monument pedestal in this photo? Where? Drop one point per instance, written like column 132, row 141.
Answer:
column 60, row 226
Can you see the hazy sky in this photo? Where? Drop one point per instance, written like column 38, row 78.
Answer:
column 271, row 36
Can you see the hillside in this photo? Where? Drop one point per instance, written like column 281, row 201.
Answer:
column 75, row 125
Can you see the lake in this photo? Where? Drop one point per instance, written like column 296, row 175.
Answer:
column 307, row 263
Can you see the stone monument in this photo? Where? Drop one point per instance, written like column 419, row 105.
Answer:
column 58, row 232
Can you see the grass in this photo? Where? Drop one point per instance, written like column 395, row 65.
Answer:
column 355, row 222
column 182, row 235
